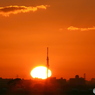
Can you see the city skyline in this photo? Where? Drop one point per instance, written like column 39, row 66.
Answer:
column 66, row 27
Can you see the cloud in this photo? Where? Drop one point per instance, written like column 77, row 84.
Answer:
column 72, row 28
column 6, row 11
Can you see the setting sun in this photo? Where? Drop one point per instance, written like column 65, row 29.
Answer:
column 40, row 72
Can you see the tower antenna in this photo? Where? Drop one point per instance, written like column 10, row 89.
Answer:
column 47, row 61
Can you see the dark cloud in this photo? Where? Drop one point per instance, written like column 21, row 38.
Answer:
column 6, row 11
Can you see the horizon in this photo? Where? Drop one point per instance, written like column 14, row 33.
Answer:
column 17, row 76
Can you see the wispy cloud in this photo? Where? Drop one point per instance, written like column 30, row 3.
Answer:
column 72, row 28
column 6, row 11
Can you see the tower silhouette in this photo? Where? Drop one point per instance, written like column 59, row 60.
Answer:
column 47, row 61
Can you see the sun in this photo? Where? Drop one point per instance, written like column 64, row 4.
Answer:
column 40, row 72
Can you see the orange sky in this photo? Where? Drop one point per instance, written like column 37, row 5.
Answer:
column 67, row 27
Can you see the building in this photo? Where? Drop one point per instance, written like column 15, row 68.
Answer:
column 77, row 81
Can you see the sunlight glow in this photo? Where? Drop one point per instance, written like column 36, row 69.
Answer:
column 40, row 72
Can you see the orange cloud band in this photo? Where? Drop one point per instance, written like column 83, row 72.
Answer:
column 6, row 11
column 72, row 28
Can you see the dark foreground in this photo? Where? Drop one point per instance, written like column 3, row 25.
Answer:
column 45, row 87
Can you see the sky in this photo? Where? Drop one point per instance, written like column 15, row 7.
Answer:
column 28, row 27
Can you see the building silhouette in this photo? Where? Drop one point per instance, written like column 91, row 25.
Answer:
column 55, row 86
column 77, row 81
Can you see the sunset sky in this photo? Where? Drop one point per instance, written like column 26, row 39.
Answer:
column 67, row 27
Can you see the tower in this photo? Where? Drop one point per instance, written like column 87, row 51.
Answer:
column 47, row 65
